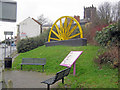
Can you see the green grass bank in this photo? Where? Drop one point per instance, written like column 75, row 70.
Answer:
column 88, row 74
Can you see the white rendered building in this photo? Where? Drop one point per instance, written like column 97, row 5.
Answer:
column 29, row 28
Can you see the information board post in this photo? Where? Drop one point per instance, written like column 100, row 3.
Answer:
column 71, row 60
column 74, row 68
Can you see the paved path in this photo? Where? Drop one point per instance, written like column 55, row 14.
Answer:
column 27, row 79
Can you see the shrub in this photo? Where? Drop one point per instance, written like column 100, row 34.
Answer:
column 108, row 36
column 90, row 32
column 25, row 45
column 28, row 44
column 109, row 39
column 109, row 57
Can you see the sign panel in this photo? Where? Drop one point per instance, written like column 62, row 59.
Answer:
column 23, row 34
column 8, row 10
column 8, row 32
column 71, row 58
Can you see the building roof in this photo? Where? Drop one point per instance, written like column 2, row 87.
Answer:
column 47, row 25
column 32, row 19
column 83, row 20
column 36, row 21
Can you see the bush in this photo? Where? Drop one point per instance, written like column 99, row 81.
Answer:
column 28, row 44
column 89, row 30
column 109, row 39
column 109, row 56
column 108, row 36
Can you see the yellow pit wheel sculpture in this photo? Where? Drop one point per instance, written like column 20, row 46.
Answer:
column 65, row 28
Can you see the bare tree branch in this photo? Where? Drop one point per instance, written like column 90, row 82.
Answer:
column 104, row 12
column 42, row 19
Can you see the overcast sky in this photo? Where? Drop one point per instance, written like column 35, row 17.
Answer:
column 51, row 9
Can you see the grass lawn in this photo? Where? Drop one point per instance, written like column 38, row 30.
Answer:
column 88, row 75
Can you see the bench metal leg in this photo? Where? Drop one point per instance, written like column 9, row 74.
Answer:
column 63, row 80
column 48, row 87
column 43, row 68
column 21, row 67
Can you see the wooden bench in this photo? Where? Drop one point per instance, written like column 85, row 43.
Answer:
column 59, row 75
column 33, row 61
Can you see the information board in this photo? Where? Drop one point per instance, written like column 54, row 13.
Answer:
column 71, row 58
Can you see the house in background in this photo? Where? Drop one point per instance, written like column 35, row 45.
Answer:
column 46, row 27
column 77, row 18
column 28, row 28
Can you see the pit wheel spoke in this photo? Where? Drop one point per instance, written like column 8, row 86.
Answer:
column 72, row 30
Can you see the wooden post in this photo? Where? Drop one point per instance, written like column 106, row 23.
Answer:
column 10, row 84
column 48, row 87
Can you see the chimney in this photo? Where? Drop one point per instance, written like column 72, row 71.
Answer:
column 77, row 18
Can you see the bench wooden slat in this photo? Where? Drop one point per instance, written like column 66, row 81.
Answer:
column 27, row 60
column 49, row 81
column 59, row 75
column 33, row 61
column 62, row 74
column 39, row 60
column 31, row 64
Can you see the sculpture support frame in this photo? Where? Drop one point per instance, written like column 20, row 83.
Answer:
column 70, row 42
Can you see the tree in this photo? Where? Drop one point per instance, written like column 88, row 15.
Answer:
column 104, row 13
column 116, row 11
column 119, row 11
column 42, row 19
column 108, row 13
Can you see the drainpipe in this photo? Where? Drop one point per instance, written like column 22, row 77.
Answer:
column 41, row 29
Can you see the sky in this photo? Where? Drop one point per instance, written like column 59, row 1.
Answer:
column 51, row 9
